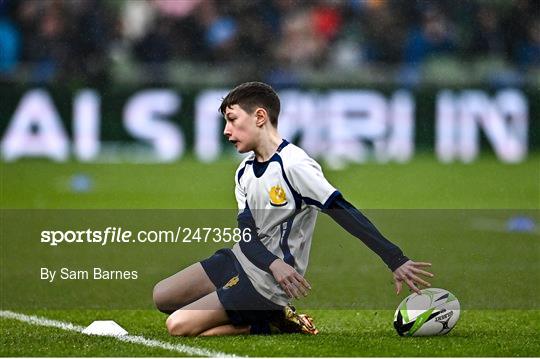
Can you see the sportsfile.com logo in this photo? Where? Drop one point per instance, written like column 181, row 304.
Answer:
column 122, row 236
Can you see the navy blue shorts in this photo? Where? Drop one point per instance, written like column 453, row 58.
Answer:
column 243, row 304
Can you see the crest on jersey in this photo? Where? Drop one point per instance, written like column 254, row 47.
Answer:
column 277, row 196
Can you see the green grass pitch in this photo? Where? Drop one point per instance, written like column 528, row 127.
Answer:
column 453, row 215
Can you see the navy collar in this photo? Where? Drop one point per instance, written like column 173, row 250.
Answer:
column 282, row 145
column 260, row 167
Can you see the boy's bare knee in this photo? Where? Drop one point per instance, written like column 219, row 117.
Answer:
column 159, row 295
column 179, row 325
column 167, row 301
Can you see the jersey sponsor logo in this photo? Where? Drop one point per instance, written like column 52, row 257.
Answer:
column 232, row 282
column 277, row 196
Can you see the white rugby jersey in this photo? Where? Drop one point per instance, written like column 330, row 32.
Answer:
column 284, row 195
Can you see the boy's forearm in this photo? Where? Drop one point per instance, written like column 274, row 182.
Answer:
column 253, row 249
column 354, row 222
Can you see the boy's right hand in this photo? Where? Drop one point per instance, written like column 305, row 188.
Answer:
column 289, row 279
column 409, row 273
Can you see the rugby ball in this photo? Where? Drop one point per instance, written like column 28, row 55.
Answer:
column 434, row 312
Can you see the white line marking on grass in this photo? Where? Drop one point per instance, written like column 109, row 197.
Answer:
column 135, row 339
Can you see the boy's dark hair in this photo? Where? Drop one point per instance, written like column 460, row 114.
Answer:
column 251, row 95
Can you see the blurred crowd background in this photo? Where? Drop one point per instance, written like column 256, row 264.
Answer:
column 280, row 41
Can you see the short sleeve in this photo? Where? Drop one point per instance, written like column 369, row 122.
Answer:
column 239, row 193
column 308, row 180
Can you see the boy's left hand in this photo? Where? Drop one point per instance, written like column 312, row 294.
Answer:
column 292, row 282
column 408, row 272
